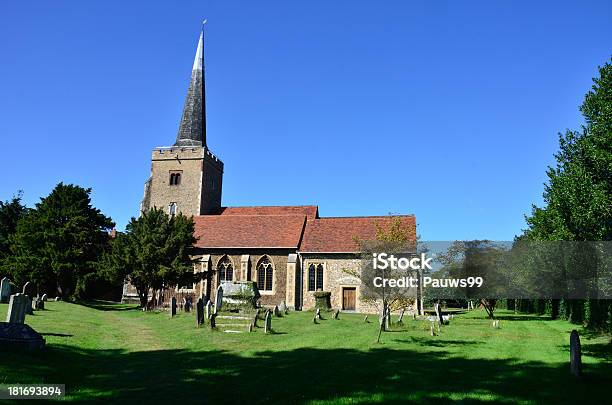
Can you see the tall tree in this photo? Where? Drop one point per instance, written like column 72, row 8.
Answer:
column 60, row 240
column 11, row 212
column 153, row 253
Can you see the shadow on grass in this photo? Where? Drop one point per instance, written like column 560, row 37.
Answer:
column 522, row 318
column 303, row 375
column 108, row 305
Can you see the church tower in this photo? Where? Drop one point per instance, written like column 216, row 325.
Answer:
column 187, row 177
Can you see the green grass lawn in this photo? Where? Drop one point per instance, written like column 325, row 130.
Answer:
column 118, row 353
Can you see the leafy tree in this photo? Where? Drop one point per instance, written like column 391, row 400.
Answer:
column 10, row 213
column 578, row 194
column 153, row 253
column 393, row 238
column 60, row 240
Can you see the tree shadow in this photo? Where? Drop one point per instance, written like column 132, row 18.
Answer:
column 304, row 375
column 56, row 334
column 108, row 305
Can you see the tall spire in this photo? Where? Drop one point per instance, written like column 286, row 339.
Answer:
column 192, row 129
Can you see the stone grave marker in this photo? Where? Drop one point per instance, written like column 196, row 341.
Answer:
column 277, row 312
column 17, row 308
column 283, row 307
column 213, row 321
column 336, row 314
column 27, row 289
column 268, row 322
column 199, row 312
column 318, row 313
column 187, row 305
column 207, row 310
column 255, row 317
column 44, row 297
column 172, row 306
column 219, row 300
column 5, row 290
column 575, row 354
column 20, row 336
column 38, row 304
column 29, row 309
column 365, row 319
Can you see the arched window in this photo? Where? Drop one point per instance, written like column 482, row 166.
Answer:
column 265, row 274
column 315, row 277
column 225, row 269
column 172, row 208
column 175, row 178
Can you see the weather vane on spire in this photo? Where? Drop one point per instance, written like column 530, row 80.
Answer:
column 204, row 22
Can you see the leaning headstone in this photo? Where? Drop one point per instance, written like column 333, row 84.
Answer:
column 268, row 323
column 575, row 355
column 318, row 313
column 365, row 319
column 44, row 297
column 277, row 312
column 58, row 299
column 207, row 310
column 17, row 309
column 172, row 306
column 219, row 299
column 336, row 314
column 199, row 312
column 5, row 290
column 27, row 289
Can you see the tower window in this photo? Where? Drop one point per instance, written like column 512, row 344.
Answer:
column 175, row 178
column 172, row 208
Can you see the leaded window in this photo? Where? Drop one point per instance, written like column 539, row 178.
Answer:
column 265, row 274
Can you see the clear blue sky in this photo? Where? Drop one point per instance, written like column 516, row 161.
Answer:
column 446, row 109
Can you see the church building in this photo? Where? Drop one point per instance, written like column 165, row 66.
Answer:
column 289, row 251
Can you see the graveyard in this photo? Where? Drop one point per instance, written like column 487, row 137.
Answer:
column 106, row 351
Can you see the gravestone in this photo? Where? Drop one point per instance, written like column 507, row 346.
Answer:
column 28, row 289
column 336, row 314
column 29, row 310
column 58, row 299
column 5, row 290
column 207, row 310
column 268, row 322
column 318, row 313
column 431, row 330
column 283, row 307
column 219, row 300
column 213, row 321
column 365, row 319
column 314, row 320
column 19, row 336
column 255, row 317
column 187, row 305
column 277, row 311
column 575, row 355
column 199, row 312
column 172, row 306
column 40, row 304
column 44, row 297
column 17, row 308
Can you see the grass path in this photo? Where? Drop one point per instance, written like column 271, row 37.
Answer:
column 118, row 353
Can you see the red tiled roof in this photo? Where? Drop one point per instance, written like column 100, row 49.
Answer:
column 337, row 234
column 311, row 211
column 242, row 231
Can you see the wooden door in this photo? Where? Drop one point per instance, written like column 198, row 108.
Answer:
column 348, row 298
